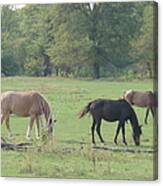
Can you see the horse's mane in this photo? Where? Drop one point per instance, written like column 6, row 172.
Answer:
column 44, row 107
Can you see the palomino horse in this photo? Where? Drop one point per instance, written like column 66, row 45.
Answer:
column 142, row 99
column 112, row 110
column 26, row 104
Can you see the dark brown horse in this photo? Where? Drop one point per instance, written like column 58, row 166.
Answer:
column 112, row 110
column 142, row 99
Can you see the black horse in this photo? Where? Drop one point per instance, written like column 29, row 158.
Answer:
column 112, row 110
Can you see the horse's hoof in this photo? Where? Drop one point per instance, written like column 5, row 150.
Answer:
column 115, row 142
column 93, row 145
column 28, row 138
column 103, row 143
column 38, row 138
column 10, row 137
column 125, row 143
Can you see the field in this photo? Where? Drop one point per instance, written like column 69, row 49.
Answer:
column 70, row 153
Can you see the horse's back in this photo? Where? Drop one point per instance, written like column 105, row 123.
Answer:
column 6, row 95
column 110, row 110
column 20, row 103
column 109, row 103
column 139, row 98
column 144, row 99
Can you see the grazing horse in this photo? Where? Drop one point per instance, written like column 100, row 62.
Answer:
column 26, row 104
column 112, row 110
column 142, row 99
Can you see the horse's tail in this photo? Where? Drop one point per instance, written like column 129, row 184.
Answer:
column 85, row 110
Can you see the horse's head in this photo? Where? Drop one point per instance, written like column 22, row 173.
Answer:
column 50, row 125
column 136, row 135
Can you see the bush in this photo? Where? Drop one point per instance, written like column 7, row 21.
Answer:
column 34, row 67
column 9, row 66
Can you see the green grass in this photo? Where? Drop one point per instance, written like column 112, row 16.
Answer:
column 67, row 97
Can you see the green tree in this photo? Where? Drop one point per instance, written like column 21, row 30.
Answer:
column 94, row 34
column 9, row 32
column 143, row 48
column 72, row 38
column 71, row 43
column 34, row 39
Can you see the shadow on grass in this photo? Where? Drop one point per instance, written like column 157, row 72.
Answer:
column 74, row 142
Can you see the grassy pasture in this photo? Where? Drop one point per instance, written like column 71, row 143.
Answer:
column 69, row 154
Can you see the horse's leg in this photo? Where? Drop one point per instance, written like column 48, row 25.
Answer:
column 8, row 126
column 37, row 128
column 146, row 116
column 2, row 118
column 123, row 134
column 117, row 132
column 92, row 130
column 98, row 130
column 42, row 124
column 28, row 135
column 153, row 111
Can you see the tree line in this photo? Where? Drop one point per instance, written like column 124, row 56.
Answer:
column 79, row 39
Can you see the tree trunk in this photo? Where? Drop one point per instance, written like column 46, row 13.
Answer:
column 47, row 65
column 56, row 70
column 149, row 70
column 96, row 71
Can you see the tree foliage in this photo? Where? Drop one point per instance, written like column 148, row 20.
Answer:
column 143, row 47
column 69, row 39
